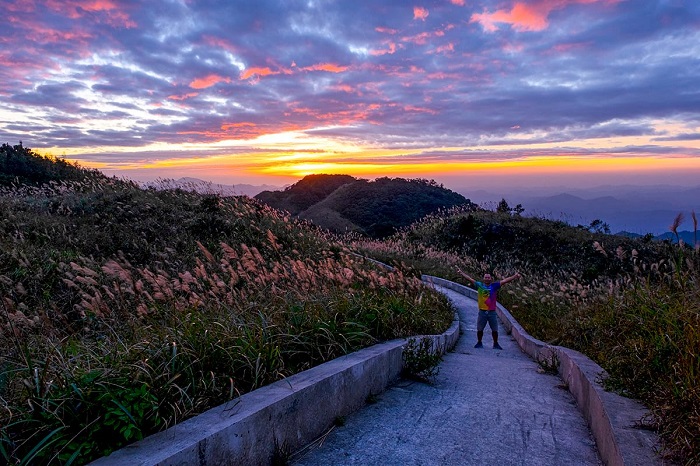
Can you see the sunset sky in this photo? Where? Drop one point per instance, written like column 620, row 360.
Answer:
column 480, row 92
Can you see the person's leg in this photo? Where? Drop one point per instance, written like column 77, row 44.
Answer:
column 493, row 323
column 480, row 325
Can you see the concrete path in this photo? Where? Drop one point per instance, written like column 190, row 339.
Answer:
column 486, row 407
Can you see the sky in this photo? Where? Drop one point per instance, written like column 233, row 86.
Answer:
column 467, row 92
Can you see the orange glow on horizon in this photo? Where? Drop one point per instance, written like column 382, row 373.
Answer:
column 383, row 163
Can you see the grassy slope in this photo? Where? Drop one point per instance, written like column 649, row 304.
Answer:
column 127, row 310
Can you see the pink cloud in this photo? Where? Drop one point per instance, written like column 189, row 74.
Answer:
column 107, row 11
column 527, row 16
column 390, row 50
column 420, row 13
column 218, row 42
column 348, row 115
column 329, row 67
column 344, row 88
column 570, row 47
column 418, row 39
column 257, row 71
column 457, row 2
column 447, row 48
column 243, row 124
column 416, row 109
column 183, row 96
column 386, row 30
column 208, row 81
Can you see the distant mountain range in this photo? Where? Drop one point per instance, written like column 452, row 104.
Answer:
column 634, row 209
column 342, row 203
column 206, row 187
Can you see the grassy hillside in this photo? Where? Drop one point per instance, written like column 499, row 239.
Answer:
column 632, row 305
column 124, row 310
column 374, row 208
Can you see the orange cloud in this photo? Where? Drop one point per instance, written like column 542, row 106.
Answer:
column 208, row 81
column 523, row 16
column 243, row 124
column 420, row 13
column 257, row 71
column 330, row 67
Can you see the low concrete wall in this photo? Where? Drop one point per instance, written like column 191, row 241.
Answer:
column 279, row 418
column 613, row 419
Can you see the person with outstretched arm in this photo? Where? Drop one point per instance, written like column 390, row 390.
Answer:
column 487, row 291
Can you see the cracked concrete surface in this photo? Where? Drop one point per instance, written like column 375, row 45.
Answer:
column 485, row 407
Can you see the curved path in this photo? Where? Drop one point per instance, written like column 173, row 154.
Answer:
column 485, row 407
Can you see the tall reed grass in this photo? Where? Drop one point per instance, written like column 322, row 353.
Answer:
column 124, row 311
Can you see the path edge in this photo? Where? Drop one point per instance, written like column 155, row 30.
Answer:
column 276, row 420
column 613, row 419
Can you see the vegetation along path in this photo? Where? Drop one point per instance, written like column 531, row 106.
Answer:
column 485, row 406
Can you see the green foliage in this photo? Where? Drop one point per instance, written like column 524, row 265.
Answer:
column 421, row 359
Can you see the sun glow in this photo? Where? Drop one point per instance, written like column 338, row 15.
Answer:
column 295, row 153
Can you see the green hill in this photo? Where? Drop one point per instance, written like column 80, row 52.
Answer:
column 376, row 208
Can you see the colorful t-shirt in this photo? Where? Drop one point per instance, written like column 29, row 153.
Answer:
column 487, row 295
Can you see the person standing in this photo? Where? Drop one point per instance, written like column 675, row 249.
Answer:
column 487, row 292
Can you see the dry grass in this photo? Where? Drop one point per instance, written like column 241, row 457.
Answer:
column 124, row 311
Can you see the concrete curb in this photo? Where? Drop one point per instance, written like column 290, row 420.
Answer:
column 613, row 419
column 278, row 419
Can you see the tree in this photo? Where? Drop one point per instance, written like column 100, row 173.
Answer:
column 503, row 207
column 599, row 226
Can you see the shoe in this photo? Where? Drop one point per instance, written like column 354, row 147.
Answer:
column 496, row 346
column 479, row 345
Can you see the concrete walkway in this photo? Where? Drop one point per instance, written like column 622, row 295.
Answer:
column 486, row 407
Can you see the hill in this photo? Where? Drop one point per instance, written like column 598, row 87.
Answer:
column 124, row 310
column 304, row 193
column 376, row 208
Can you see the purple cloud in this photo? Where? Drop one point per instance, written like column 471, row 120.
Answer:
column 389, row 74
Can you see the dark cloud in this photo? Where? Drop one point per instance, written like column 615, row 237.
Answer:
column 369, row 72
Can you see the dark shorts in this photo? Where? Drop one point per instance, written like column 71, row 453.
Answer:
column 487, row 316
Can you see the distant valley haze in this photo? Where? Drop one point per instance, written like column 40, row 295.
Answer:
column 634, row 209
